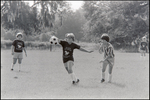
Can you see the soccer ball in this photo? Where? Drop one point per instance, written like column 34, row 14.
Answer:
column 53, row 40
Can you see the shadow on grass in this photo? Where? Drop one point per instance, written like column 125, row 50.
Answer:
column 16, row 71
column 118, row 84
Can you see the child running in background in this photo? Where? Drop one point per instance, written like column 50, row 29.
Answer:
column 143, row 46
column 17, row 47
column 68, row 47
column 108, row 50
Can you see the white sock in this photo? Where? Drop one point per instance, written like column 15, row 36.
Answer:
column 19, row 67
column 12, row 66
column 110, row 77
column 74, row 76
column 103, row 75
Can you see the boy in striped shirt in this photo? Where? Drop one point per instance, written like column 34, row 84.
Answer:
column 108, row 50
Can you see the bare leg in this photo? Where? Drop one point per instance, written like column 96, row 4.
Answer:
column 19, row 62
column 103, row 70
column 110, row 73
column 14, row 62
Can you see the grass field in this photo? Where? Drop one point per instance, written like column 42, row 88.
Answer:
column 43, row 76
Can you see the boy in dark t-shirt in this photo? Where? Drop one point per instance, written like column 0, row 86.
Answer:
column 17, row 49
column 68, row 47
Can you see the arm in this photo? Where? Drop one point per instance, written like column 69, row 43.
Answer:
column 12, row 50
column 81, row 49
column 60, row 42
column 147, row 48
column 139, row 46
column 25, row 51
column 107, row 60
column 110, row 54
column 101, row 48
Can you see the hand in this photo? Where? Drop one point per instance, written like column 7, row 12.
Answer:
column 90, row 51
column 101, row 61
column 12, row 53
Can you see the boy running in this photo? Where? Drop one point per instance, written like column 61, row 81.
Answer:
column 108, row 50
column 17, row 47
column 68, row 46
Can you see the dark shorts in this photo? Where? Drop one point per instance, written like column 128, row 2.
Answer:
column 67, row 59
column 143, row 48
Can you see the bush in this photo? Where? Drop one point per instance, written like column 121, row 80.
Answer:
column 44, row 37
column 6, row 44
column 11, row 34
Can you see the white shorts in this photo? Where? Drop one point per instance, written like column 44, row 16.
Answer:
column 18, row 55
column 110, row 61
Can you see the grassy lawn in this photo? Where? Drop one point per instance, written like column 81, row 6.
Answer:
column 43, row 76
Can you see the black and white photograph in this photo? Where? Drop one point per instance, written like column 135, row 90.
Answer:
column 74, row 49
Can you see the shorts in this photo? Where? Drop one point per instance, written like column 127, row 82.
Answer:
column 18, row 55
column 68, row 59
column 70, row 62
column 143, row 49
column 110, row 61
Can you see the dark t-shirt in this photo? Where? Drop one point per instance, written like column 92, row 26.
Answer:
column 18, row 45
column 143, row 45
column 68, row 50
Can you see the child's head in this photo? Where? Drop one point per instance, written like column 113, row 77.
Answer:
column 105, row 39
column 70, row 37
column 19, row 35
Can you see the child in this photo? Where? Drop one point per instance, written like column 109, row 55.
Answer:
column 68, row 46
column 143, row 46
column 17, row 47
column 108, row 50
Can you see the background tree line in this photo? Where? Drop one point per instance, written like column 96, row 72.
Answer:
column 124, row 21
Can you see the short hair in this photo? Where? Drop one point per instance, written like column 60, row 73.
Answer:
column 105, row 37
column 70, row 35
column 19, row 34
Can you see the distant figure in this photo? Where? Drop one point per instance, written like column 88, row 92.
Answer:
column 17, row 47
column 50, row 47
column 143, row 46
column 108, row 50
column 137, row 42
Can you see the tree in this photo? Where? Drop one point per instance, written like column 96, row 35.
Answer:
column 19, row 15
column 48, row 11
column 72, row 23
column 125, row 19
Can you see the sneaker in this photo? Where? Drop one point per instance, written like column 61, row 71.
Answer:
column 102, row 80
column 12, row 69
column 73, row 82
column 77, row 80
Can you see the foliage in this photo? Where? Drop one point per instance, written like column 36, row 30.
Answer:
column 19, row 15
column 124, row 21
column 120, row 19
column 6, row 44
column 72, row 23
